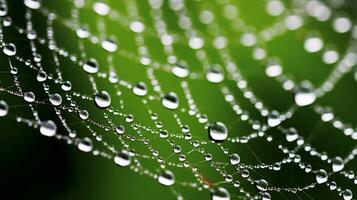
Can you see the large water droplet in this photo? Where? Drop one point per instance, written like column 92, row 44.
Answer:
column 321, row 176
column 48, row 128
column 140, row 89
column 261, row 185
column 91, row 66
column 305, row 95
column 122, row 158
column 29, row 97
column 170, row 101
column 9, row 49
column 166, row 178
column 347, row 194
column 85, row 145
column 214, row 75
column 180, row 71
column 109, row 45
column 337, row 164
column 291, row 134
column 274, row 119
column 102, row 99
column 55, row 99
column 234, row 159
column 33, row 4
column 220, row 194
column 4, row 108
column 218, row 132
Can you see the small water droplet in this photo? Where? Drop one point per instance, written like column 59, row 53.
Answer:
column 102, row 99
column 261, row 185
column 274, row 119
column 122, row 158
column 55, row 99
column 120, row 129
column 170, row 101
column 220, row 194
column 180, row 71
column 218, row 132
column 91, row 66
column 83, row 114
column 9, row 49
column 4, row 108
column 234, row 159
column 85, row 145
column 214, row 75
column 29, row 97
column 48, row 128
column 109, row 45
column 166, row 178
column 305, row 95
column 291, row 135
column 321, row 176
column 337, row 164
column 140, row 89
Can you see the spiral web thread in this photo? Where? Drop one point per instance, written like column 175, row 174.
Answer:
column 121, row 130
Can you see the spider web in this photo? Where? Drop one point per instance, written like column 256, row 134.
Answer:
column 159, row 88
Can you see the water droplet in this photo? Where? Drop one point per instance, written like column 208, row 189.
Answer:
column 313, row 44
column 273, row 69
column 180, row 71
column 48, row 128
column 265, row 196
column 109, row 45
column 41, row 76
column 337, row 164
column 137, row 26
column 83, row 114
column 33, row 4
column 101, row 8
column 9, row 49
column 291, row 135
column 122, row 158
column 66, row 86
column 321, row 176
column 140, row 89
column 82, row 32
column 274, row 119
column 120, row 129
column 164, row 134
column 85, row 145
column 214, row 76
column 261, row 185
column 55, row 99
column 166, row 178
column 234, row 159
column 347, row 194
column 170, row 101
column 220, row 194
column 102, row 99
column 305, row 95
column 91, row 66
column 218, row 132
column 29, row 97
column 4, row 108
column 3, row 10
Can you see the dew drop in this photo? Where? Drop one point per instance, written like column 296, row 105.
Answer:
column 274, row 119
column 122, row 158
column 214, row 76
column 313, row 44
column 180, row 71
column 337, row 164
column 140, row 89
column 55, row 99
column 170, row 101
column 33, row 4
column 101, row 8
column 120, row 129
column 220, row 194
column 305, row 95
column 3, row 10
column 234, row 159
column 85, row 145
column 91, row 66
column 291, row 135
column 9, row 49
column 4, row 108
column 102, row 99
column 66, row 86
column 166, row 178
column 321, row 176
column 83, row 114
column 82, row 32
column 48, row 128
column 29, row 97
column 261, row 185
column 347, row 194
column 218, row 132
column 109, row 45
column 41, row 76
